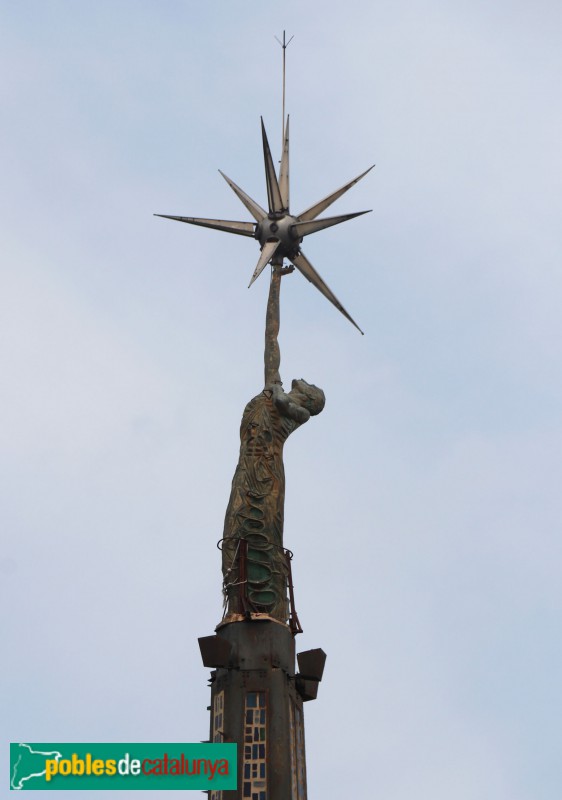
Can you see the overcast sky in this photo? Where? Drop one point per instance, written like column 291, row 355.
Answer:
column 423, row 506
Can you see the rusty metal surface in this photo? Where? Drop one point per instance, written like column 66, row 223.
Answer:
column 263, row 659
column 294, row 622
column 239, row 567
column 248, row 617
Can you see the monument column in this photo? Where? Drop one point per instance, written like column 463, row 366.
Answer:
column 257, row 693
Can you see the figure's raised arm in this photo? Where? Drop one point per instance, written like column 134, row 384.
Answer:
column 304, row 399
column 272, row 356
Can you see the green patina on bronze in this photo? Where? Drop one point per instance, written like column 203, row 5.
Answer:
column 254, row 516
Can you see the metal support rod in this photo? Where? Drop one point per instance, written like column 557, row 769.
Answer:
column 294, row 623
column 284, row 44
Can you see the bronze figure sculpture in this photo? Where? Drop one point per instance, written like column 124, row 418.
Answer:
column 254, row 516
column 254, row 563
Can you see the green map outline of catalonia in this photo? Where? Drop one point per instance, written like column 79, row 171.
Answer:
column 21, row 779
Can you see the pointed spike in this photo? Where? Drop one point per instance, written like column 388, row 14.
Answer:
column 304, row 228
column 267, row 253
column 255, row 210
column 273, row 193
column 303, row 265
column 284, row 169
column 241, row 228
column 313, row 211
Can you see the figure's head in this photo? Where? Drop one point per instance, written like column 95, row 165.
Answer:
column 308, row 396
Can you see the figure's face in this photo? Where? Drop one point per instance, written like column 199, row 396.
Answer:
column 301, row 386
column 298, row 391
column 307, row 395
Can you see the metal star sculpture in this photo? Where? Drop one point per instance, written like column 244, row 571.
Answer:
column 280, row 233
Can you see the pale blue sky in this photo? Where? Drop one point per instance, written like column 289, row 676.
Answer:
column 423, row 505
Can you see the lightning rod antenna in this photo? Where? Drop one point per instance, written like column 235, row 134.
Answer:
column 284, row 44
